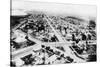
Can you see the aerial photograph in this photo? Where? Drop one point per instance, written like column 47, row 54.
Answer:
column 43, row 33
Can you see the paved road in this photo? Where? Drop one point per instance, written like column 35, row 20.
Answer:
column 56, row 34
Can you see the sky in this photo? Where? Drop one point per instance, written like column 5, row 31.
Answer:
column 20, row 7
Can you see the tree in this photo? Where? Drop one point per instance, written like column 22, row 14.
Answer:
column 92, row 24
